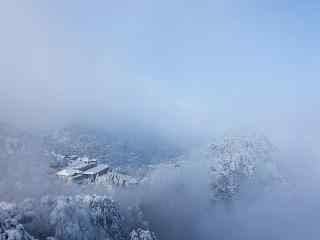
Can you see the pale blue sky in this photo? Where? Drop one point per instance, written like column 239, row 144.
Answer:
column 224, row 63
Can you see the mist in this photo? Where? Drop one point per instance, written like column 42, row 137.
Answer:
column 55, row 72
column 185, row 72
column 177, row 205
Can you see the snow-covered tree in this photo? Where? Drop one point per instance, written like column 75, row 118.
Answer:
column 238, row 160
column 140, row 234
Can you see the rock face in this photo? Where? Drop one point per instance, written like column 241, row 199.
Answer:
column 87, row 217
column 238, row 160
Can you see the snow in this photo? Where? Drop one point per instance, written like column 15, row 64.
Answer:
column 82, row 166
column 80, row 217
column 140, row 234
column 10, row 228
column 117, row 179
column 240, row 159
column 68, row 172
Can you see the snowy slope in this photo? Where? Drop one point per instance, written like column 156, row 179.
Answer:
column 115, row 147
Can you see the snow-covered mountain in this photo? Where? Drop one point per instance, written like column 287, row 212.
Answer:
column 226, row 168
column 117, row 148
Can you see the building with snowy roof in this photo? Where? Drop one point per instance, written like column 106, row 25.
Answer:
column 83, row 166
column 91, row 174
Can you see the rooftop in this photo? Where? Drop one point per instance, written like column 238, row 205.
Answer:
column 79, row 165
column 96, row 169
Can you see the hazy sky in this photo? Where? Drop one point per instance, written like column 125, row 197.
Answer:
column 186, row 68
column 172, row 64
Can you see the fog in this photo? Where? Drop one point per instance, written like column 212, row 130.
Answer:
column 178, row 205
column 186, row 71
column 61, row 63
